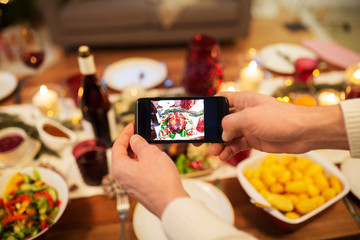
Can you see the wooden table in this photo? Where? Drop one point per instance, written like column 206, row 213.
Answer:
column 96, row 218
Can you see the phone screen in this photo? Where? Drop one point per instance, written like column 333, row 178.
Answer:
column 181, row 119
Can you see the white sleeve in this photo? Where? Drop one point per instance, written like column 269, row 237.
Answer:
column 351, row 112
column 185, row 218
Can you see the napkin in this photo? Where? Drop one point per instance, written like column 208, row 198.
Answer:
column 332, row 52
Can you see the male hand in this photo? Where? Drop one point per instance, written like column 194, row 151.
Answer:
column 151, row 177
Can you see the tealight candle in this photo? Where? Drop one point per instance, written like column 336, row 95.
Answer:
column 328, row 97
column 46, row 100
column 251, row 77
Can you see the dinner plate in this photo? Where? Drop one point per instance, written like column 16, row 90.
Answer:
column 8, row 83
column 148, row 226
column 350, row 167
column 280, row 57
column 148, row 72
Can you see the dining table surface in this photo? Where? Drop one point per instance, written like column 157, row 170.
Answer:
column 95, row 217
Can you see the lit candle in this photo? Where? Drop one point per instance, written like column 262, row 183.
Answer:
column 229, row 86
column 251, row 77
column 328, row 97
column 46, row 100
column 353, row 81
column 131, row 93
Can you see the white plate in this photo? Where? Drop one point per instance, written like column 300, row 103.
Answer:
column 329, row 169
column 272, row 60
column 8, row 83
column 148, row 226
column 350, row 167
column 128, row 71
column 48, row 176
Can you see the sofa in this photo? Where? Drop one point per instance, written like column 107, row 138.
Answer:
column 143, row 22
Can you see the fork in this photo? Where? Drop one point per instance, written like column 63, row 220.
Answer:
column 122, row 207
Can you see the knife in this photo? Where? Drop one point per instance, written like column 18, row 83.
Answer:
column 352, row 210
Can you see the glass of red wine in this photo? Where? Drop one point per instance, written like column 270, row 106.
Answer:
column 31, row 48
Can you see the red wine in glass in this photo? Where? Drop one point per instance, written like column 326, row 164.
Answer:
column 33, row 59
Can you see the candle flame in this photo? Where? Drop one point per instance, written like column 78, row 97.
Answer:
column 331, row 97
column 43, row 90
column 231, row 89
column 252, row 66
column 357, row 74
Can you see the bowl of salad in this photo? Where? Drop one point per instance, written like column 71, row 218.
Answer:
column 32, row 200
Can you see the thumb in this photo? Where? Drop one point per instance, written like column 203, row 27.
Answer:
column 138, row 143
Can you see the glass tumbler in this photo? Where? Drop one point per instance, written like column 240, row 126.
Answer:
column 203, row 73
column 91, row 160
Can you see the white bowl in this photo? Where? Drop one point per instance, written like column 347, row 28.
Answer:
column 22, row 153
column 49, row 177
column 54, row 142
column 279, row 218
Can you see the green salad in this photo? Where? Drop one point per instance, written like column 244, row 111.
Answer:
column 27, row 207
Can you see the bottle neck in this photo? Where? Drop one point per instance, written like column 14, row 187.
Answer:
column 87, row 65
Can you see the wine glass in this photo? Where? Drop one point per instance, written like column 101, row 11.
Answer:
column 31, row 48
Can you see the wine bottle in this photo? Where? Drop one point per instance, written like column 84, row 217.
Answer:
column 94, row 102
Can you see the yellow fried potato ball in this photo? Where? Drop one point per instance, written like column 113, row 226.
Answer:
column 280, row 202
column 292, row 215
column 335, row 183
column 295, row 187
column 306, row 205
column 328, row 194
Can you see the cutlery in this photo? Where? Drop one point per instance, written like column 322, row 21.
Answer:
column 18, row 91
column 122, row 207
column 352, row 210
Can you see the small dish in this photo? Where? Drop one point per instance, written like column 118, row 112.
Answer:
column 279, row 218
column 148, row 226
column 54, row 135
column 21, row 147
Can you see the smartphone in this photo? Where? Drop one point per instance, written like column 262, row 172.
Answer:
column 180, row 119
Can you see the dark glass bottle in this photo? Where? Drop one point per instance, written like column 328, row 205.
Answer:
column 94, row 102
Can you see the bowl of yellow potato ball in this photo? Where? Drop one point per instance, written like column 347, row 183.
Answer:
column 292, row 188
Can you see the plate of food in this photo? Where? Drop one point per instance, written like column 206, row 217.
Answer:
column 191, row 161
column 31, row 201
column 145, row 71
column 8, row 84
column 291, row 188
column 281, row 57
column 148, row 226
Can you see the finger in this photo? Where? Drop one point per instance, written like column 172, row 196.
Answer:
column 233, row 125
column 121, row 144
column 140, row 146
column 234, row 147
column 216, row 148
column 229, row 96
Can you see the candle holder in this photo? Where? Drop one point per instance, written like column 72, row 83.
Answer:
column 352, row 74
column 47, row 99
